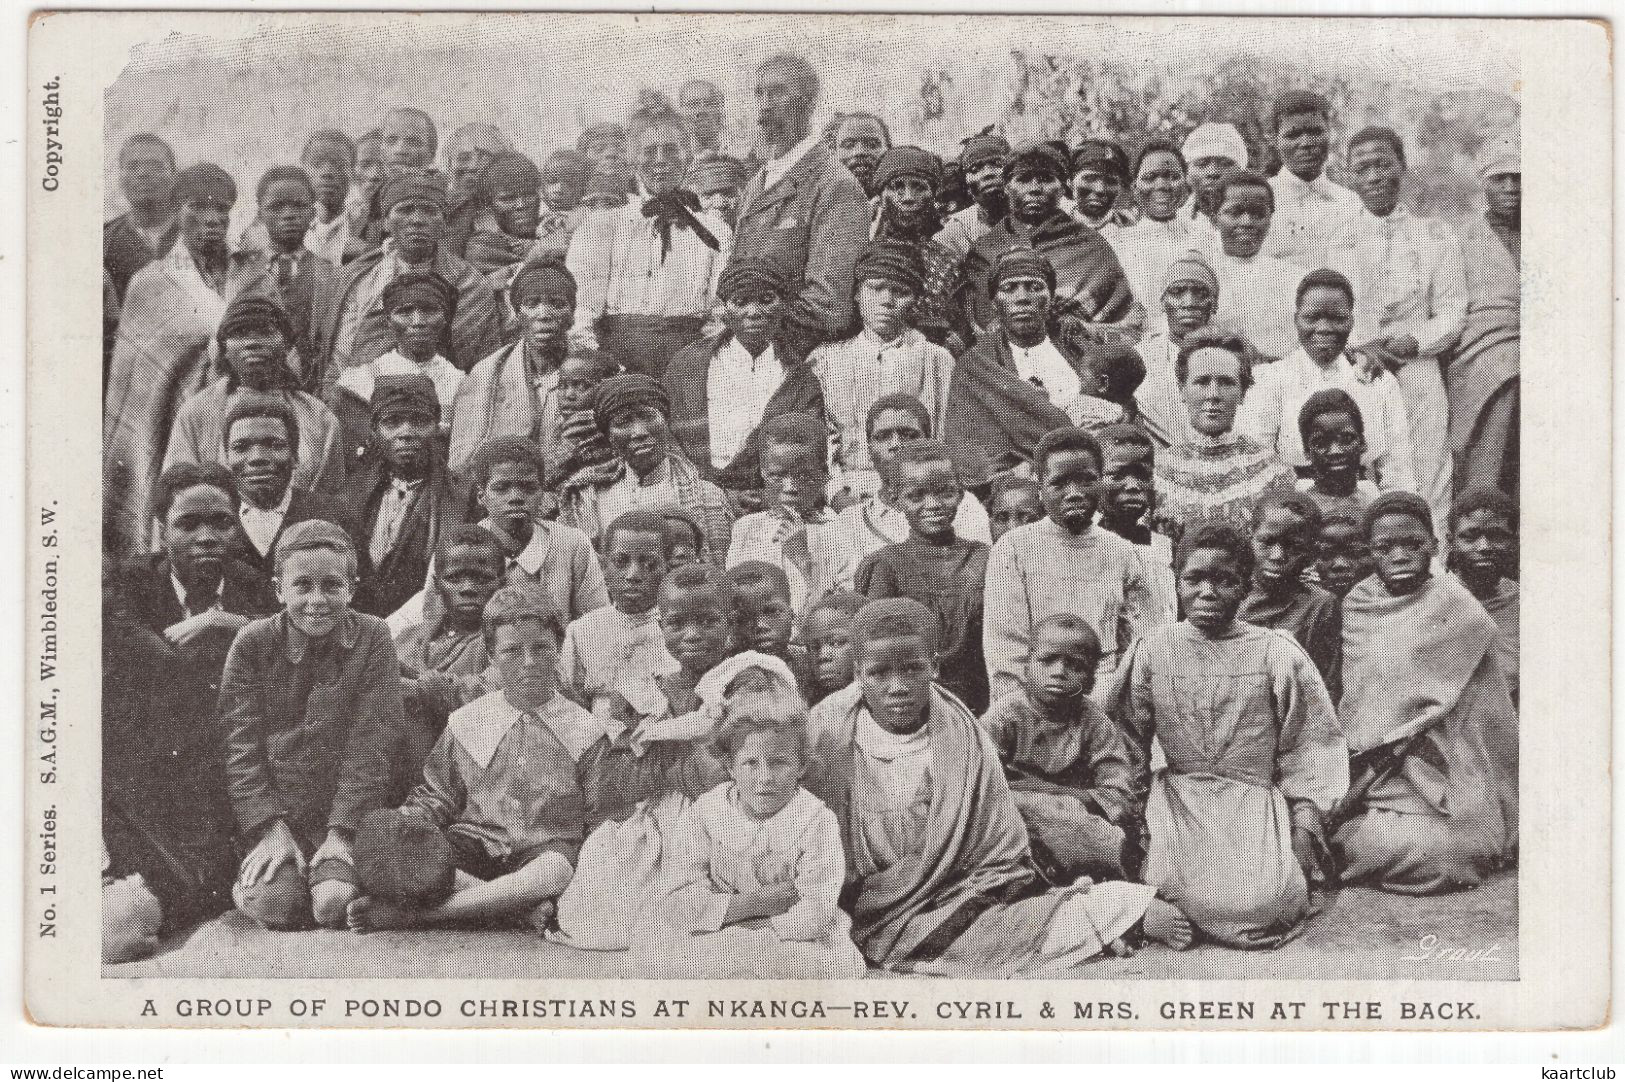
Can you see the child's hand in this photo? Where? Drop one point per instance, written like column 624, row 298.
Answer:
column 1303, row 847
column 578, row 427
column 276, row 847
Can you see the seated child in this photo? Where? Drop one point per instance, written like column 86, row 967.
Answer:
column 887, row 355
column 509, row 478
column 1342, row 556
column 1127, row 490
column 753, row 870
column 935, row 566
column 1066, row 761
column 443, row 658
column 617, row 651
column 420, row 308
column 872, row 521
column 1333, row 434
column 763, row 619
column 501, row 788
column 1118, row 370
column 1250, row 737
column 827, row 635
column 1285, row 526
column 1014, row 503
column 684, row 535
column 794, row 531
column 299, row 686
column 1063, row 564
column 1483, row 552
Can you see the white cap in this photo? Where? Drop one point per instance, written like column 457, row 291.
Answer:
column 1216, row 141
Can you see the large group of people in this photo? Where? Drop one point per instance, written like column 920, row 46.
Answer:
column 822, row 557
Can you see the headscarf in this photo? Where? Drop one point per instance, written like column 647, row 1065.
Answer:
column 510, row 172
column 621, row 393
column 1021, row 263
column 983, row 147
column 418, row 286
column 413, row 184
column 597, row 132
column 1500, row 153
column 714, row 170
column 908, row 162
column 1216, row 141
column 1041, row 156
column 891, row 261
column 753, row 273
column 204, row 183
column 549, row 272
column 409, row 390
column 1106, row 155
column 250, row 310
column 1191, row 267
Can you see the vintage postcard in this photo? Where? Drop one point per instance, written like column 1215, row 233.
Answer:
column 796, row 521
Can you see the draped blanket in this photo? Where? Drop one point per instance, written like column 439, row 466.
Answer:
column 1487, row 356
column 1088, row 278
column 160, row 359
column 994, row 410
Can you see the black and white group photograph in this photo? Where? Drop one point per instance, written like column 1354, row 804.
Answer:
column 883, row 497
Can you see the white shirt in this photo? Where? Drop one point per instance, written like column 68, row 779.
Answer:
column 392, row 508
column 616, row 259
column 1307, row 213
column 445, row 376
column 737, row 389
column 628, row 494
column 1258, row 297
column 1269, row 414
column 328, row 239
column 1043, row 364
column 1408, row 278
column 262, row 524
column 773, row 170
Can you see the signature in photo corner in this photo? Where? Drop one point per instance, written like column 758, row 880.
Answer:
column 1430, row 948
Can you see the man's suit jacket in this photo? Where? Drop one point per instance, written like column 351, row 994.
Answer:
column 443, row 504
column 303, row 505
column 308, row 299
column 814, row 222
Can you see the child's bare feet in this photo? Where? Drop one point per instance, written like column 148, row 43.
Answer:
column 376, row 915
column 544, row 916
column 1167, row 925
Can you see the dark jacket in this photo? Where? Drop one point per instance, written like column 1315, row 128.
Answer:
column 125, row 250
column 308, row 298
column 442, row 504
column 303, row 505
column 312, row 727
column 814, row 222
column 992, row 409
column 686, row 381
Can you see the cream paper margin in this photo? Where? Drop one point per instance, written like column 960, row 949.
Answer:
column 1564, row 874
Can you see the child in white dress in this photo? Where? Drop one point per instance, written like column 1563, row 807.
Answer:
column 754, row 868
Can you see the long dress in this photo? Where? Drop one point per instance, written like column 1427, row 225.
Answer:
column 717, row 852
column 1481, row 376
column 937, row 856
column 1216, row 479
column 1425, row 663
column 1253, row 747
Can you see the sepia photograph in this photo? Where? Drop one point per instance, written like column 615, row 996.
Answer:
column 795, row 498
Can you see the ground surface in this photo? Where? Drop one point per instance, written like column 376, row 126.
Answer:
column 1358, row 934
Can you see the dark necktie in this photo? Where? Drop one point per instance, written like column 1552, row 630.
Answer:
column 199, row 600
column 287, row 268
column 676, row 208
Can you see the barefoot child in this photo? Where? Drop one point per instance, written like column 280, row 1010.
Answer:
column 617, row 651
column 935, row 566
column 1285, row 526
column 501, row 788
column 1250, row 737
column 828, row 638
column 1342, row 557
column 939, row 872
column 1063, row 564
column 752, row 873
column 1067, row 761
column 1333, row 435
column 311, row 708
column 795, row 530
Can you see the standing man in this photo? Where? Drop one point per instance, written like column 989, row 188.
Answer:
column 329, row 158
column 646, row 273
column 859, row 139
column 982, row 160
column 146, row 168
column 1410, row 300
column 356, row 329
column 407, row 141
column 803, row 209
column 701, row 103
column 1309, row 208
